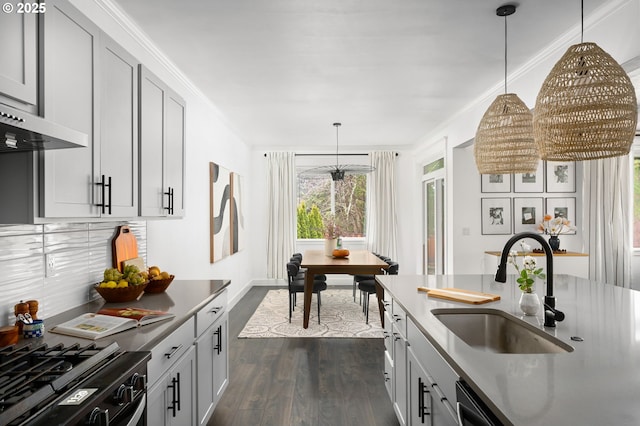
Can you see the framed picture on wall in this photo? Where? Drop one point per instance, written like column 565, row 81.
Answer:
column 530, row 182
column 496, row 216
column 561, row 176
column 495, row 183
column 562, row 207
column 527, row 214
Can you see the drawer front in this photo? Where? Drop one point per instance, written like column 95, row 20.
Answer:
column 211, row 312
column 388, row 374
column 399, row 317
column 165, row 353
column 442, row 374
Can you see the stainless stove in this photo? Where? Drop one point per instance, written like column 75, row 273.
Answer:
column 72, row 385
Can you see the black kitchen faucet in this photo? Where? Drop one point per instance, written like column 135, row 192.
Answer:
column 551, row 314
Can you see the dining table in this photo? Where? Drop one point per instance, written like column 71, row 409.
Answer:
column 358, row 262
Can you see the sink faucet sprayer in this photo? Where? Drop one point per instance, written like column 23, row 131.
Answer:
column 551, row 314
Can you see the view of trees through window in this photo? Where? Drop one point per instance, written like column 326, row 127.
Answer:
column 321, row 200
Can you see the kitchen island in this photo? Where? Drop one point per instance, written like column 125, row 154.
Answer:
column 595, row 384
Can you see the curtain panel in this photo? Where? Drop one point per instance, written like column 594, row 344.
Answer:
column 381, row 204
column 281, row 212
column 607, row 202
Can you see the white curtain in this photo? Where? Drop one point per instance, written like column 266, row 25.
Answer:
column 607, row 201
column 381, row 205
column 281, row 210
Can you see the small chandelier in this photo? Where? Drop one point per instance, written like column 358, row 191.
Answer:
column 338, row 171
column 504, row 139
column 586, row 108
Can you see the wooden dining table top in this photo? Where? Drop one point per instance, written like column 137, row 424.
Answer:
column 356, row 259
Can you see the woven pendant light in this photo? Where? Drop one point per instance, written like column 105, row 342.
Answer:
column 504, row 140
column 586, row 108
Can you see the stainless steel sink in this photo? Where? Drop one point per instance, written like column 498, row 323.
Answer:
column 492, row 330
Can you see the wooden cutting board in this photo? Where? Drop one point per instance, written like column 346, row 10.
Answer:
column 460, row 295
column 124, row 246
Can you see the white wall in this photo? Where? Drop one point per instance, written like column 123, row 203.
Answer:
column 615, row 29
column 182, row 246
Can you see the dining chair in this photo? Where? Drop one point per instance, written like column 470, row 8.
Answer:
column 296, row 285
column 369, row 287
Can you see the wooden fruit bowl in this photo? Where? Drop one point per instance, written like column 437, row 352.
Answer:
column 158, row 286
column 123, row 294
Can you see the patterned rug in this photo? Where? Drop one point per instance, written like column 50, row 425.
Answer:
column 340, row 316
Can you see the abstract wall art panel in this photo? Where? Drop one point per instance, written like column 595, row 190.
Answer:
column 227, row 223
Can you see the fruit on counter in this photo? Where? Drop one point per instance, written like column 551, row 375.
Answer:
column 112, row 274
column 130, row 276
column 341, row 253
column 156, row 274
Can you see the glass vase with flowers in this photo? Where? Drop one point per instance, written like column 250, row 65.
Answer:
column 527, row 275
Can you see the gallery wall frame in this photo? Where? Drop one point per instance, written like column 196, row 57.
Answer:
column 495, row 183
column 496, row 216
column 530, row 182
column 561, row 176
column 527, row 213
column 562, row 206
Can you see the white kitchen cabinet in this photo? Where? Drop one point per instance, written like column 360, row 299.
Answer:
column 18, row 50
column 162, row 144
column 171, row 400
column 388, row 348
column 70, row 52
column 399, row 337
column 90, row 85
column 430, row 383
column 212, row 356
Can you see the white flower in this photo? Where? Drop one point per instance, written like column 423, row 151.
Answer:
column 529, row 263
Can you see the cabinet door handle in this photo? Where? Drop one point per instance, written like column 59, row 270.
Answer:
column 171, row 190
column 174, row 350
column 109, row 186
column 215, row 309
column 175, row 386
column 168, row 194
column 397, row 318
column 218, row 346
column 423, row 409
column 103, row 203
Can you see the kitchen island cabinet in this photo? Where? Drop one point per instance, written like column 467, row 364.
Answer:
column 594, row 383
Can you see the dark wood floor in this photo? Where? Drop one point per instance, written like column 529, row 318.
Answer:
column 301, row 381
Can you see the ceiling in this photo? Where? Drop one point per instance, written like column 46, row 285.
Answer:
column 282, row 71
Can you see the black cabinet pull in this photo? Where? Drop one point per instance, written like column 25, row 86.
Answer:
column 423, row 409
column 175, row 395
column 218, row 346
column 169, row 195
column 109, row 185
column 106, row 183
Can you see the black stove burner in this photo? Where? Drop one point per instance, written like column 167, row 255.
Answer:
column 34, row 375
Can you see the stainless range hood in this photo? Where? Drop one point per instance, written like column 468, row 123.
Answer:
column 20, row 131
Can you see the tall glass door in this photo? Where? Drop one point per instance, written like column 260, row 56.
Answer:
column 434, row 223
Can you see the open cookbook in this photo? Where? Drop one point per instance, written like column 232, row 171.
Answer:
column 108, row 321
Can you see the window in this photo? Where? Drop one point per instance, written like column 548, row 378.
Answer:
column 320, row 199
column 636, row 196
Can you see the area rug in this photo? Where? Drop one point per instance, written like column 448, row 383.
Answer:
column 340, row 316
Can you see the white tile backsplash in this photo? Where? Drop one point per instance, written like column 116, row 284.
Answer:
column 78, row 252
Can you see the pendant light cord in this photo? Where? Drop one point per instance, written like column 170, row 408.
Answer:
column 505, row 54
column 581, row 21
column 337, row 126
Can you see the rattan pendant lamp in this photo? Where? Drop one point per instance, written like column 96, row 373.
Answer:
column 586, row 108
column 504, row 139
